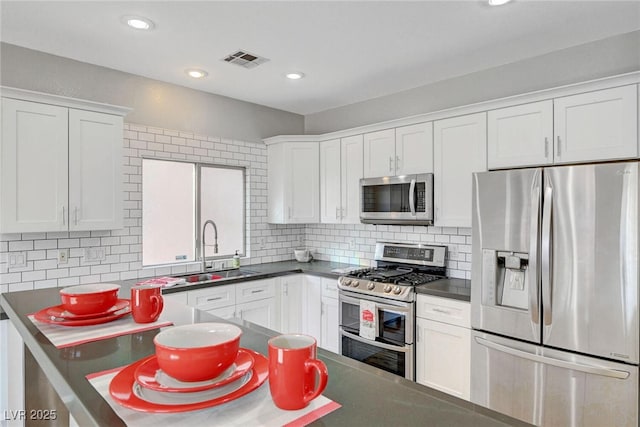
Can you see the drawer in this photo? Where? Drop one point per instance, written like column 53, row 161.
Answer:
column 214, row 297
column 445, row 310
column 255, row 290
column 329, row 288
column 178, row 297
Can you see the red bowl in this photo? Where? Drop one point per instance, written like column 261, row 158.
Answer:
column 89, row 299
column 197, row 352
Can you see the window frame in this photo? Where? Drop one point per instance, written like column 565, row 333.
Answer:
column 197, row 210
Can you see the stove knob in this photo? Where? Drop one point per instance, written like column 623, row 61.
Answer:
column 371, row 286
column 387, row 288
column 397, row 290
column 355, row 283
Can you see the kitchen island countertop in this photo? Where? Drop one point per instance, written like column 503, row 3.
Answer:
column 368, row 396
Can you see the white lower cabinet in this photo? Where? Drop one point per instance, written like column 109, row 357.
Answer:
column 178, row 297
column 254, row 301
column 443, row 345
column 312, row 312
column 261, row 312
column 309, row 305
column 294, row 303
column 290, row 304
column 329, row 315
column 224, row 312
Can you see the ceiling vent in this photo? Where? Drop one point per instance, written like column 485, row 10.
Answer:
column 245, row 59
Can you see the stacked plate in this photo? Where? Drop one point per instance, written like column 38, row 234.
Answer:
column 146, row 386
column 143, row 386
column 85, row 305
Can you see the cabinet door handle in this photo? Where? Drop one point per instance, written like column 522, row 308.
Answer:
column 546, row 147
column 559, row 145
column 214, row 299
column 75, row 215
column 64, row 221
column 397, row 164
column 390, row 164
column 341, row 212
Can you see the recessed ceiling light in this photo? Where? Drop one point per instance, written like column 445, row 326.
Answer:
column 195, row 73
column 295, row 75
column 138, row 22
column 498, row 2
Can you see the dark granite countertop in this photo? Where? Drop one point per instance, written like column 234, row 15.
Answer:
column 369, row 396
column 267, row 270
column 447, row 288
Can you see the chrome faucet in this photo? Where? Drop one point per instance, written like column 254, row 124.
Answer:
column 215, row 243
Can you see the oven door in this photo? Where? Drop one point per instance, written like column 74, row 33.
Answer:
column 397, row 199
column 392, row 350
column 395, row 359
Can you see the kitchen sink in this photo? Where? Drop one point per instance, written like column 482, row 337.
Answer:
column 217, row 275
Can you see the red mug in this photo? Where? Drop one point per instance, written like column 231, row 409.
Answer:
column 146, row 303
column 292, row 371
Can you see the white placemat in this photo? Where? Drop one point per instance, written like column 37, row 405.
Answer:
column 254, row 409
column 67, row 336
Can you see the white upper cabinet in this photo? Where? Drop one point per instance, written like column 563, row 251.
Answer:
column 460, row 148
column 520, row 135
column 401, row 151
column 588, row 127
column 330, row 181
column 61, row 168
column 95, row 171
column 414, row 149
column 34, row 167
column 351, row 173
column 340, row 173
column 380, row 153
column 293, row 182
column 598, row 125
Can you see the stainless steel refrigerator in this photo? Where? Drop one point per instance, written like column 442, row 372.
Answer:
column 554, row 294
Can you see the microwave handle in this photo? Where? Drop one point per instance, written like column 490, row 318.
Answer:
column 412, row 203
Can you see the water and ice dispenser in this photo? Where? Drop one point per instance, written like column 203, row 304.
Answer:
column 505, row 278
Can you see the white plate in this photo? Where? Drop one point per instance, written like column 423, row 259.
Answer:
column 171, row 398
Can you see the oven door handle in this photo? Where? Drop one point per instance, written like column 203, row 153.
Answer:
column 374, row 343
column 404, row 309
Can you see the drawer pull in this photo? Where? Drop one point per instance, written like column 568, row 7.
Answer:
column 214, row 299
column 441, row 310
column 255, row 291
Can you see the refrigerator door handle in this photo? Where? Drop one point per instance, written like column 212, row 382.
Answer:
column 546, row 241
column 534, row 296
column 594, row 370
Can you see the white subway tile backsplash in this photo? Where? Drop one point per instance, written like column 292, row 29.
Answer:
column 22, row 286
column 350, row 243
column 331, row 243
column 25, row 245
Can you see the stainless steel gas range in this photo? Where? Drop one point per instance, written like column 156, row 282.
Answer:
column 377, row 305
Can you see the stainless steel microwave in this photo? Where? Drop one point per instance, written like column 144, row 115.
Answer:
column 406, row 199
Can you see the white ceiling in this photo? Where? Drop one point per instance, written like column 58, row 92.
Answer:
column 349, row 51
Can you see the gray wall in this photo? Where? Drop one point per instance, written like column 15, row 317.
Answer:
column 154, row 103
column 607, row 57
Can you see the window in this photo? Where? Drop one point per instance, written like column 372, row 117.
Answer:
column 178, row 198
